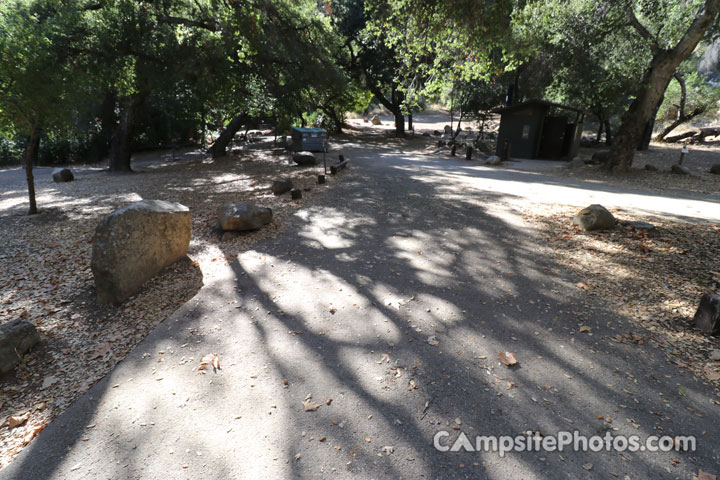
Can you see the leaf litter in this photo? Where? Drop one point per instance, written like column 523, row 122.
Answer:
column 47, row 278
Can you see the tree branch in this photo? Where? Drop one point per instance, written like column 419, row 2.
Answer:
column 640, row 28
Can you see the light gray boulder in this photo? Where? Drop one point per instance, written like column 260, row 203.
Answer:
column 376, row 120
column 493, row 160
column 16, row 338
column 133, row 244
column 594, row 217
column 304, row 158
column 61, row 175
column 243, row 216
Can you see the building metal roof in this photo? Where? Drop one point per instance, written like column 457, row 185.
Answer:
column 543, row 103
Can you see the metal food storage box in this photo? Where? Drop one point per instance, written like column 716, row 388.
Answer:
column 309, row 139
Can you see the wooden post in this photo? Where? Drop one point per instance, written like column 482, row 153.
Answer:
column 336, row 168
column 468, row 153
column 682, row 154
column 452, row 150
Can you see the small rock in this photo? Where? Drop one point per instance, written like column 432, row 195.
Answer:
column 493, row 160
column 376, row 120
column 281, row 185
column 304, row 158
column 594, row 217
column 651, row 168
column 61, row 175
column 243, row 216
column 707, row 317
column 715, row 355
column 680, row 169
column 715, row 169
column 16, row 338
column 448, row 130
column 426, row 134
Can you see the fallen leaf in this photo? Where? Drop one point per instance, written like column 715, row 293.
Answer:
column 711, row 374
column 212, row 360
column 16, row 421
column 704, row 476
column 328, row 401
column 309, row 405
column 52, row 379
column 508, row 358
column 584, row 328
column 367, row 439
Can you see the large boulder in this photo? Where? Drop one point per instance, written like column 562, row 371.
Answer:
column 282, row 185
column 715, row 169
column 376, row 120
column 594, row 217
column 61, row 175
column 243, row 216
column 707, row 316
column 133, row 244
column 304, row 158
column 16, row 338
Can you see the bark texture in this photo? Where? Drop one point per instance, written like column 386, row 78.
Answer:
column 655, row 81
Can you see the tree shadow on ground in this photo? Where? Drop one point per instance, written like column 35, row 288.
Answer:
column 349, row 304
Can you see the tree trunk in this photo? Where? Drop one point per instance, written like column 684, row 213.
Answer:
column 459, row 127
column 654, row 83
column 100, row 143
column 334, row 118
column 218, row 148
column 608, row 132
column 394, row 105
column 410, row 125
column 397, row 99
column 649, row 126
column 399, row 122
column 682, row 116
column 601, row 127
column 663, row 135
column 121, row 150
column 31, row 155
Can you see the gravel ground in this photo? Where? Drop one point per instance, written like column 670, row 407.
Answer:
column 47, row 280
column 375, row 320
column 663, row 156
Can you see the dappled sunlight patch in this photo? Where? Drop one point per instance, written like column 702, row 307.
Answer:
column 331, row 228
column 654, row 278
column 340, row 311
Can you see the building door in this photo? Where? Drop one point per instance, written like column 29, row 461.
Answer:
column 553, row 136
